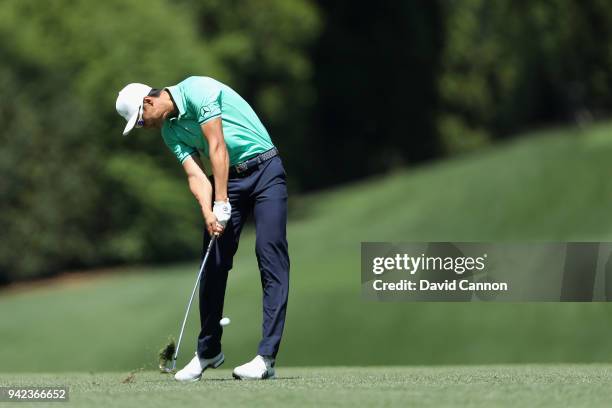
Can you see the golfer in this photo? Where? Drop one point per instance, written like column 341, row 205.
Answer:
column 207, row 125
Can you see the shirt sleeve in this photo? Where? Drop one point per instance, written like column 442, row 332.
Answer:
column 204, row 98
column 180, row 149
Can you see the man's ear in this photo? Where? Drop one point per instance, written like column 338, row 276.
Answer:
column 148, row 100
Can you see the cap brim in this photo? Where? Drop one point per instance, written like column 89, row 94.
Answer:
column 131, row 123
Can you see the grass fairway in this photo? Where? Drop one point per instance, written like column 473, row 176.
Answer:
column 468, row 386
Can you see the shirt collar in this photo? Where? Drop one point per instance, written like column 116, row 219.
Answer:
column 177, row 98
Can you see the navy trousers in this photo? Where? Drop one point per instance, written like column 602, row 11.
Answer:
column 262, row 192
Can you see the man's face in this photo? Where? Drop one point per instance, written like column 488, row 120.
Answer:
column 153, row 112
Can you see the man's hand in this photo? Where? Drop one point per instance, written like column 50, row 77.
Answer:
column 222, row 211
column 212, row 225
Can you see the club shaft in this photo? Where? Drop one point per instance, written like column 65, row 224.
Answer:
column 195, row 287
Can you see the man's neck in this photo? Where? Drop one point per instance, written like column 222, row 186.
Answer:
column 171, row 105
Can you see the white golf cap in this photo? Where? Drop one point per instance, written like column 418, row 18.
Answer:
column 129, row 103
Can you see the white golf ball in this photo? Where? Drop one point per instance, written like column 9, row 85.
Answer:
column 225, row 321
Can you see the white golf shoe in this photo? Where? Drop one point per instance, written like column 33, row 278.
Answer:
column 260, row 368
column 193, row 371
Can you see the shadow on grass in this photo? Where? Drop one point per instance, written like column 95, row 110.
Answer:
column 224, row 380
column 250, row 381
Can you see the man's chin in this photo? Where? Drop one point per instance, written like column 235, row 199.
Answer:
column 157, row 124
column 153, row 125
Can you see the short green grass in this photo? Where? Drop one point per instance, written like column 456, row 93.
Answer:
column 451, row 386
column 555, row 185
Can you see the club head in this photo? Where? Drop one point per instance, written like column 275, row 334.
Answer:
column 168, row 369
column 167, row 357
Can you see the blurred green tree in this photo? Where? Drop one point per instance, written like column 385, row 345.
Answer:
column 346, row 90
column 509, row 65
column 74, row 193
column 64, row 202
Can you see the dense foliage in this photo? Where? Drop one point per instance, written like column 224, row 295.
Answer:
column 347, row 89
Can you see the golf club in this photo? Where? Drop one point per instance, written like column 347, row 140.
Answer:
column 164, row 367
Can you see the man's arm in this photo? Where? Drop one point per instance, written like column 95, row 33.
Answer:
column 219, row 158
column 202, row 190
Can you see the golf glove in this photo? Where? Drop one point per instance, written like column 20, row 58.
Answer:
column 223, row 212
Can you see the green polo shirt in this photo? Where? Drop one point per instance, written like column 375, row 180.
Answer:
column 200, row 99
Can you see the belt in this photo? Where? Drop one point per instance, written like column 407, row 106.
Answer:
column 253, row 162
